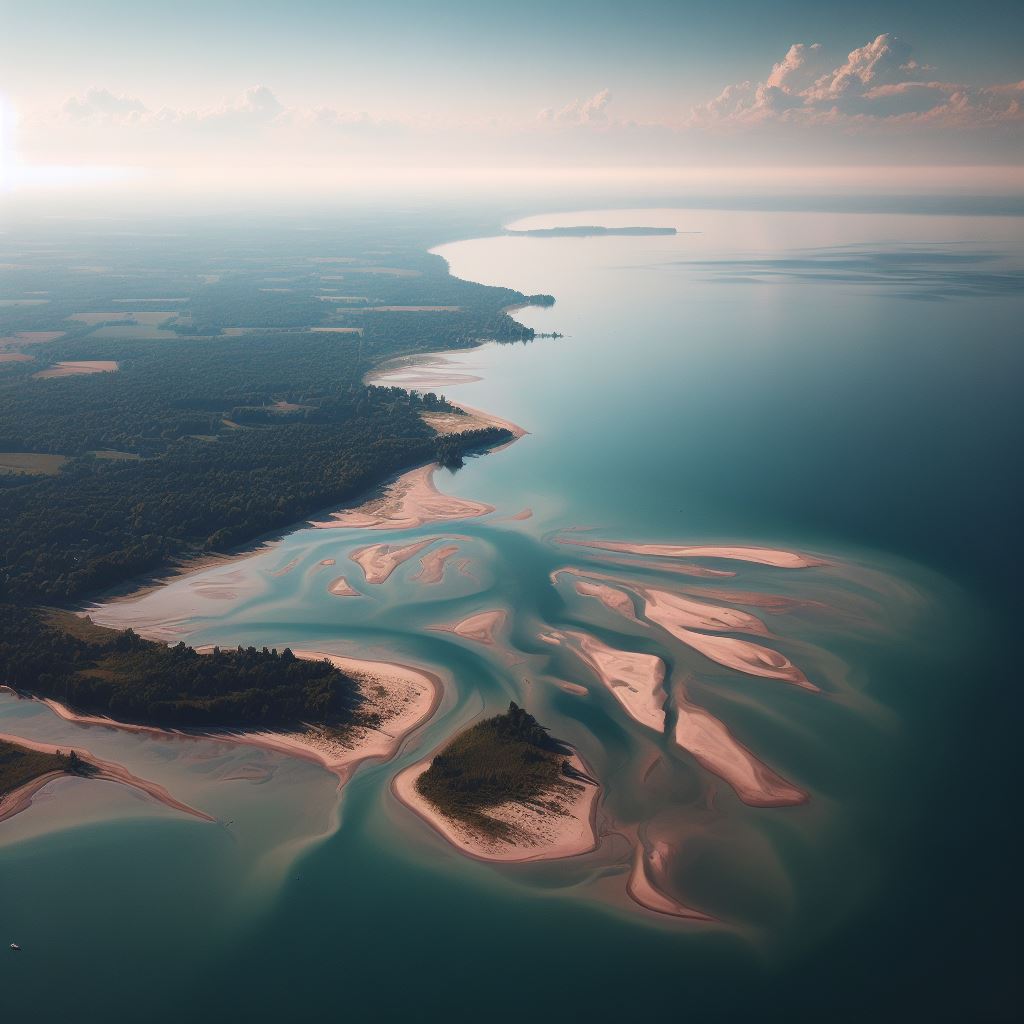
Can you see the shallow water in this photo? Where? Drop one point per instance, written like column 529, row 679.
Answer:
column 795, row 381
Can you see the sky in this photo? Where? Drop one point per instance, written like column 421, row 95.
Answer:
column 223, row 94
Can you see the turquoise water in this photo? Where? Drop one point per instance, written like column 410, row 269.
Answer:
column 837, row 385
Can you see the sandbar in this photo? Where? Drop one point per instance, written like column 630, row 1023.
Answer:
column 340, row 587
column 379, row 561
column 635, row 679
column 643, row 891
column 480, row 627
column 666, row 608
column 433, row 564
column 762, row 556
column 715, row 749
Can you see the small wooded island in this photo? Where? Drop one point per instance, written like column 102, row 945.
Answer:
column 504, row 789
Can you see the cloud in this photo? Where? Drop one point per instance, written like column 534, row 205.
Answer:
column 102, row 104
column 878, row 84
column 589, row 111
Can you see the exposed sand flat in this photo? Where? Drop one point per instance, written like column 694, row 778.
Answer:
column 763, row 556
column 336, row 330
column 21, row 798
column 15, row 357
column 636, row 680
column 741, row 655
column 642, row 890
column 379, row 561
column 547, row 832
column 614, row 600
column 285, row 569
column 715, row 749
column 324, row 563
column 73, row 368
column 433, row 564
column 481, row 627
column 340, row 587
column 661, row 606
column 410, row 501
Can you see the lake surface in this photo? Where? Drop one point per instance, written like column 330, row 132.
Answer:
column 838, row 385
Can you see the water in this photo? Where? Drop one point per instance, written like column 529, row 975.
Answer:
column 839, row 385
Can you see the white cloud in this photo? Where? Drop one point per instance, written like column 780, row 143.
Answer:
column 103, row 104
column 589, row 111
column 878, row 84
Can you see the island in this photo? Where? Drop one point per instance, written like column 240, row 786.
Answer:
column 505, row 790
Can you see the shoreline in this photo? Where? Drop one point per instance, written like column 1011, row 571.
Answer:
column 419, row 691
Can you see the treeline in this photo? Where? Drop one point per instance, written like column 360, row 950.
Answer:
column 108, row 672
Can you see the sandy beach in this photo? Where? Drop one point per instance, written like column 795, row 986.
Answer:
column 550, row 836
column 410, row 501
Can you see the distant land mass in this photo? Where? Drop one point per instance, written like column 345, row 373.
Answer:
column 588, row 231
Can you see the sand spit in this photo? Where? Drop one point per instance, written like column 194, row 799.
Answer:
column 762, row 556
column 340, row 587
column 643, row 891
column 481, row 627
column 433, row 564
column 546, row 832
column 636, row 680
column 379, row 561
column 408, row 502
column 21, row 798
column 716, row 750
column 664, row 607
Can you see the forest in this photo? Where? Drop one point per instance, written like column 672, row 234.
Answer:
column 241, row 422
column 118, row 674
